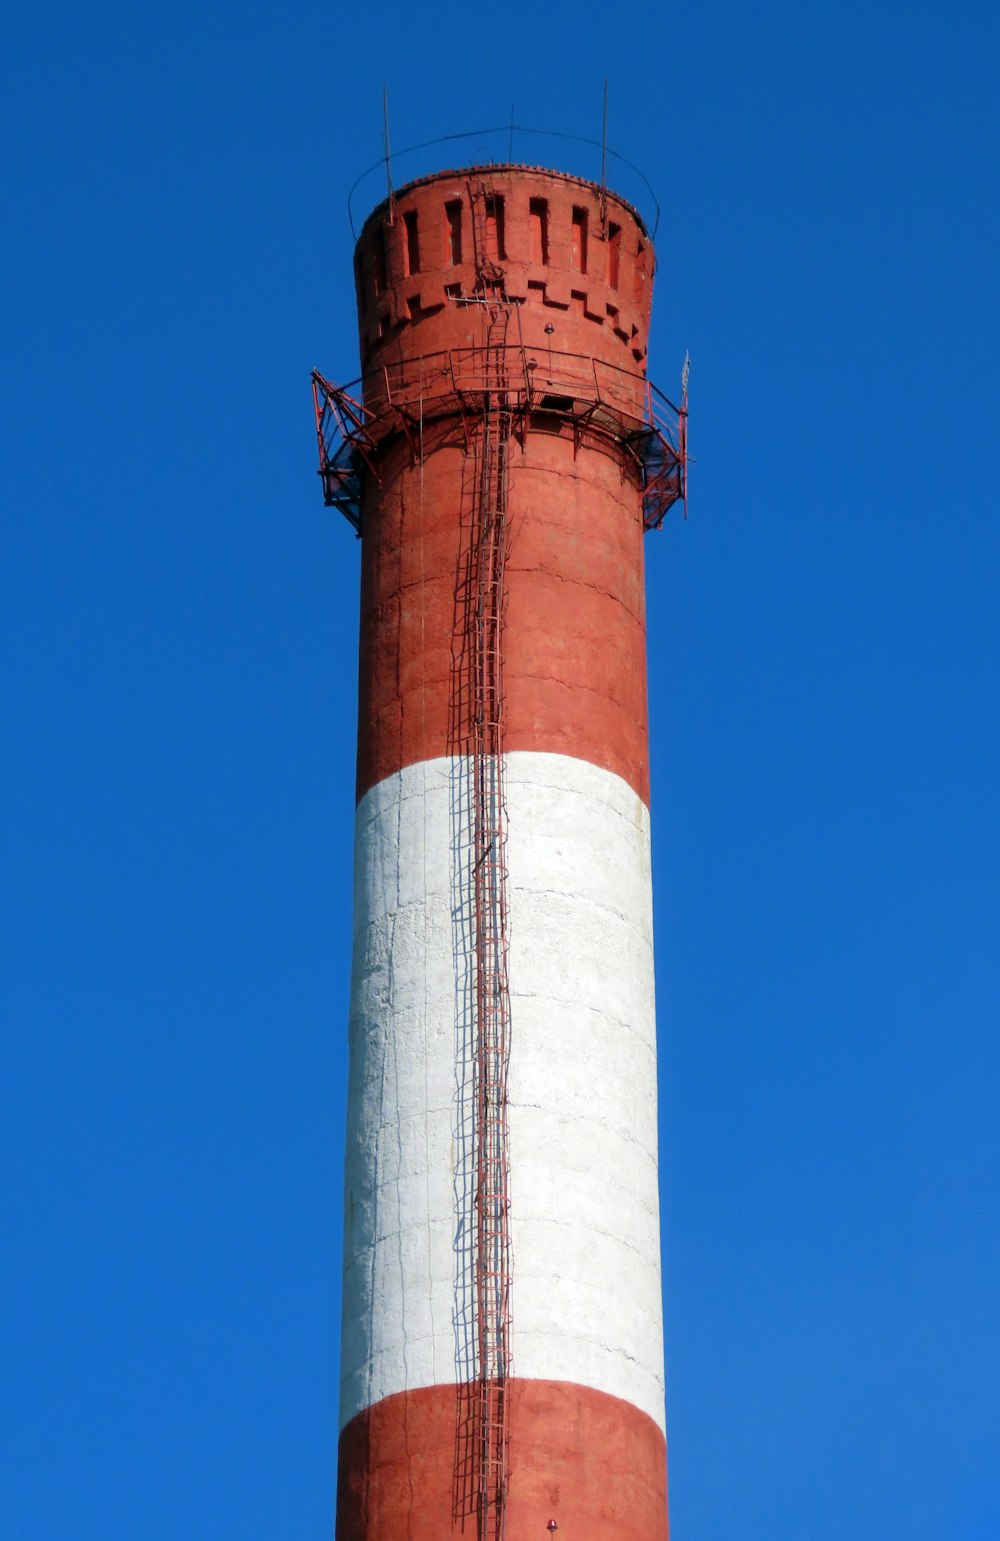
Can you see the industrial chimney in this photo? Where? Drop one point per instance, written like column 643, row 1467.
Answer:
column 501, row 458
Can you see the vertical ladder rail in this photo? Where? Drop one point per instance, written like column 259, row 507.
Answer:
column 486, row 615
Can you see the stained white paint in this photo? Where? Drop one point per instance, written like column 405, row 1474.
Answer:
column 582, row 1081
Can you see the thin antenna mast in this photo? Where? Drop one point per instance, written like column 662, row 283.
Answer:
column 604, row 161
column 385, row 148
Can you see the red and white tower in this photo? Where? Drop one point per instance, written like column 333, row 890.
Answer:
column 501, row 457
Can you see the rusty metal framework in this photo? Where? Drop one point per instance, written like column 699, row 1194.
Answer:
column 344, row 446
column 594, row 400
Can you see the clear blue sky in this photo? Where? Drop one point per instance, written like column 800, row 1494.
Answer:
column 177, row 622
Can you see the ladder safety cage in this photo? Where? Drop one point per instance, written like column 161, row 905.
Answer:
column 485, row 624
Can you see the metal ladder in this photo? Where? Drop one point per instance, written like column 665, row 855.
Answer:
column 492, row 994
column 485, row 242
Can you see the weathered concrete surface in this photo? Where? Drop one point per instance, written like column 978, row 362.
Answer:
column 582, row 1087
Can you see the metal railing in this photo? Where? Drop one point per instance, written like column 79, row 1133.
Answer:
column 589, row 396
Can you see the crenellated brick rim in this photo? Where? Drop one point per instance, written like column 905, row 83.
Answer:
column 566, row 248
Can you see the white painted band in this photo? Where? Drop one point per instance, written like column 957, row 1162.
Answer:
column 586, row 1301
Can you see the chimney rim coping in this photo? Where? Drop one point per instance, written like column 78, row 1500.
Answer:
column 493, row 168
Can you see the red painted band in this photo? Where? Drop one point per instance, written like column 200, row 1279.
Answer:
column 574, row 641
column 591, row 1462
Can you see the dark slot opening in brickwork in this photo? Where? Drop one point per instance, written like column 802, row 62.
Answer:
column 411, row 244
column 614, row 253
column 579, row 249
column 359, row 283
column 538, row 230
column 378, row 262
column 453, row 232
